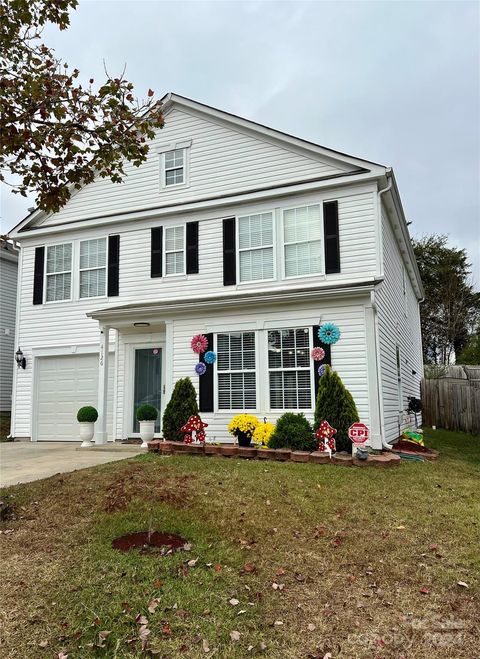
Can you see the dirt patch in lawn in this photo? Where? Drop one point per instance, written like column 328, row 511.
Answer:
column 148, row 540
column 136, row 482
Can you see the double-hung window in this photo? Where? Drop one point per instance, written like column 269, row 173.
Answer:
column 174, row 167
column 58, row 272
column 175, row 250
column 255, row 247
column 289, row 369
column 302, row 239
column 93, row 267
column 236, row 371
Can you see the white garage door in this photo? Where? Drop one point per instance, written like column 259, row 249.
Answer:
column 63, row 385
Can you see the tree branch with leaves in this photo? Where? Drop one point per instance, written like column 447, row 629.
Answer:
column 55, row 133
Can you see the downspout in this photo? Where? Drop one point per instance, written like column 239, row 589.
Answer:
column 385, row 445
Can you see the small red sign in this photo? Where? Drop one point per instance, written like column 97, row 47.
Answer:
column 358, row 433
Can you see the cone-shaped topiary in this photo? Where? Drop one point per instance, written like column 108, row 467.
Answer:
column 293, row 431
column 336, row 405
column 181, row 406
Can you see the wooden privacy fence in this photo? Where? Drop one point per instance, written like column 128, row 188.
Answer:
column 452, row 404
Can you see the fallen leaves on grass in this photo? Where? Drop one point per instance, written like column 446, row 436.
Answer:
column 235, row 635
column 233, row 601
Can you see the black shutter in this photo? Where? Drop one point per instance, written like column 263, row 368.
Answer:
column 38, row 275
column 206, row 381
column 113, row 265
column 156, row 252
column 229, row 263
column 332, row 240
column 192, row 248
column 326, row 360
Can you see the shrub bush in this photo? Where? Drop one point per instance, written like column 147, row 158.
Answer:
column 87, row 414
column 293, row 431
column 335, row 404
column 181, row 406
column 146, row 412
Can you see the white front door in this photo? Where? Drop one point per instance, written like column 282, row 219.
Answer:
column 147, row 382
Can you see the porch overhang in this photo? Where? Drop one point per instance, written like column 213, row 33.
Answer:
column 152, row 312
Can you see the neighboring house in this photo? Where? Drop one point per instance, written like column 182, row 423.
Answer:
column 8, row 300
column 237, row 231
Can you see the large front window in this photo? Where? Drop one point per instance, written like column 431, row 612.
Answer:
column 255, row 247
column 302, row 237
column 59, row 273
column 93, row 267
column 236, row 371
column 289, row 369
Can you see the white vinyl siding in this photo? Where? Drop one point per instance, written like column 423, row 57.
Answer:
column 58, row 272
column 255, row 247
column 222, row 161
column 302, row 236
column 93, row 267
column 175, row 250
column 290, row 372
column 236, row 371
column 175, row 167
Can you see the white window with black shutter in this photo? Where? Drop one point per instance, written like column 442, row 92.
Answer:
column 58, row 272
column 93, row 268
column 236, row 371
column 256, row 253
column 175, row 250
column 289, row 369
column 303, row 241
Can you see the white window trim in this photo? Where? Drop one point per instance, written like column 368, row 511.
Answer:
column 275, row 410
column 175, row 251
column 283, row 244
column 256, row 370
column 251, row 249
column 105, row 267
column 47, row 274
column 179, row 146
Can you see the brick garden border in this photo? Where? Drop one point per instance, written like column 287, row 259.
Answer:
column 384, row 460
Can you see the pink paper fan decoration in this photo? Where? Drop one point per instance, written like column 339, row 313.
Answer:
column 199, row 343
column 317, row 354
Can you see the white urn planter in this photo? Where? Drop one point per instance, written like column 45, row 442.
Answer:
column 87, row 430
column 147, row 432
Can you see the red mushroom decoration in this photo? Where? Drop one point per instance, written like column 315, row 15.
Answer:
column 325, row 435
column 194, row 425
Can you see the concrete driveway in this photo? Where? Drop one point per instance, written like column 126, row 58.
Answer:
column 23, row 462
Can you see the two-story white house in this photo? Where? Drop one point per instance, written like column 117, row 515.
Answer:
column 233, row 230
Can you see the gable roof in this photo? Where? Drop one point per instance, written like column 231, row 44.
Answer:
column 351, row 165
column 171, row 99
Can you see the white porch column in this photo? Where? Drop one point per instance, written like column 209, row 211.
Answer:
column 101, row 425
column 374, row 393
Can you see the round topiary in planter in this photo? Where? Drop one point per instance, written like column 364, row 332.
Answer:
column 86, row 417
column 146, row 415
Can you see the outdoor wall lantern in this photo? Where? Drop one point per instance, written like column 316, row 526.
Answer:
column 20, row 359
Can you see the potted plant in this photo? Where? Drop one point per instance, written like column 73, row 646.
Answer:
column 86, row 417
column 147, row 415
column 242, row 427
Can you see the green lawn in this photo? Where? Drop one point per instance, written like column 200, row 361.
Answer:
column 321, row 559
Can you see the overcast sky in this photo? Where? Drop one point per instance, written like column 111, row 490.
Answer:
column 394, row 82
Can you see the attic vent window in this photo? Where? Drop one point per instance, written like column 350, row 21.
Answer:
column 175, row 167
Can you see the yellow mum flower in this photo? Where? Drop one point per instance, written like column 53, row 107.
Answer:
column 263, row 432
column 245, row 423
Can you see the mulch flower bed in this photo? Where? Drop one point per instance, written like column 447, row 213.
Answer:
column 388, row 459
column 409, row 448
